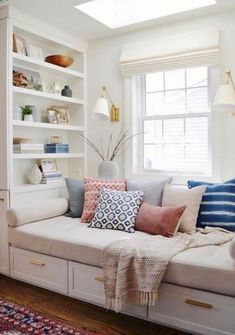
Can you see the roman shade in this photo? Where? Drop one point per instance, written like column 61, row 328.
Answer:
column 188, row 49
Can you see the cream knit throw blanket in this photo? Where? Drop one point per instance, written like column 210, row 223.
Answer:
column 134, row 268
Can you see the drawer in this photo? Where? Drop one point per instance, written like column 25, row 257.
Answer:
column 85, row 283
column 194, row 310
column 41, row 270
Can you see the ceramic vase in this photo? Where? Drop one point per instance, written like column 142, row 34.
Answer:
column 108, row 170
column 67, row 92
column 35, row 175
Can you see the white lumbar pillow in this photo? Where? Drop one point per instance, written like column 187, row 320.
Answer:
column 232, row 249
column 175, row 196
column 31, row 213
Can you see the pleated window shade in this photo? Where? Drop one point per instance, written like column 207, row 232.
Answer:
column 179, row 51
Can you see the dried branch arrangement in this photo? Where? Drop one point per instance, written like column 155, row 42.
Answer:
column 114, row 147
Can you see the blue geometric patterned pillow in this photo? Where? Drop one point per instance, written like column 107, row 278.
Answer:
column 218, row 205
column 117, row 210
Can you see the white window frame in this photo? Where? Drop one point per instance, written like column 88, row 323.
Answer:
column 134, row 121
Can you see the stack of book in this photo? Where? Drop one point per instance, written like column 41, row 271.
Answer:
column 48, row 177
column 28, row 148
column 57, row 148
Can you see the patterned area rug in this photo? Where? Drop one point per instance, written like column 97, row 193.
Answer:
column 19, row 320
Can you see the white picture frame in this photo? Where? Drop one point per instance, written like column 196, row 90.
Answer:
column 48, row 165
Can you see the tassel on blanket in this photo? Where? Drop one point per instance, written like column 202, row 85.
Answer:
column 146, row 298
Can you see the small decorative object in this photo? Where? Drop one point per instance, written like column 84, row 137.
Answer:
column 19, row 140
column 34, row 51
column 101, row 109
column 60, row 60
column 19, row 79
column 27, row 113
column 107, row 168
column 48, row 165
column 56, row 139
column 67, row 92
column 35, row 175
column 52, row 116
column 54, row 88
column 19, row 45
column 62, row 114
column 27, row 79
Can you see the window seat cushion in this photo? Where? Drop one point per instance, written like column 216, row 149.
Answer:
column 209, row 268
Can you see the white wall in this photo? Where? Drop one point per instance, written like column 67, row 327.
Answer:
column 103, row 69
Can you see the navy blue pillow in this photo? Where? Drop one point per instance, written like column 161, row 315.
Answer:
column 218, row 204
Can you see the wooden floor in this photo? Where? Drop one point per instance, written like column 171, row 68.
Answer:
column 76, row 313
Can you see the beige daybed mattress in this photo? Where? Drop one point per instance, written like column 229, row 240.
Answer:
column 209, row 268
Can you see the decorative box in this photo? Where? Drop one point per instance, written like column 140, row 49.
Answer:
column 56, row 148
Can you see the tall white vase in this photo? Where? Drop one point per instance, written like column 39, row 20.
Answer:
column 108, row 170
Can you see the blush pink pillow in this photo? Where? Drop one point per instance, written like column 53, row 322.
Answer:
column 92, row 189
column 159, row 220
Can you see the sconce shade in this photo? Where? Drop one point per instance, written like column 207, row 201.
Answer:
column 225, row 98
column 101, row 110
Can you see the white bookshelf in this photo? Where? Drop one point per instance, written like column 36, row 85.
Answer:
column 15, row 189
column 71, row 164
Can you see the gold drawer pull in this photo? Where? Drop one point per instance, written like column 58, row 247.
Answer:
column 1, row 199
column 100, row 278
column 37, row 262
column 198, row 303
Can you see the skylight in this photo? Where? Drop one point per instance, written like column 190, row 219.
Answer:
column 119, row 13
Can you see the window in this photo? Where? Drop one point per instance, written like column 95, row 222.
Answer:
column 175, row 119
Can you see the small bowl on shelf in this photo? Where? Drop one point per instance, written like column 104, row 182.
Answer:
column 60, row 60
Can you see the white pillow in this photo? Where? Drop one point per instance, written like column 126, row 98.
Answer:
column 174, row 196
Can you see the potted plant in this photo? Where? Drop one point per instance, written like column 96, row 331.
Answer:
column 27, row 113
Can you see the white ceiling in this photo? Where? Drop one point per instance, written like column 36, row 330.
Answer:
column 62, row 14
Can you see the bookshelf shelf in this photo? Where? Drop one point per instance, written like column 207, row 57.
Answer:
column 41, row 187
column 45, row 95
column 41, row 156
column 21, row 60
column 18, row 123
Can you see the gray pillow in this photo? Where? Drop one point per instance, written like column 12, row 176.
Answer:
column 76, row 197
column 153, row 190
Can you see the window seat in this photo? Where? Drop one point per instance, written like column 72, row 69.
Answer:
column 209, row 268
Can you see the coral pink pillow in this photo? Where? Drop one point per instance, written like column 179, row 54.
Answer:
column 159, row 220
column 92, row 188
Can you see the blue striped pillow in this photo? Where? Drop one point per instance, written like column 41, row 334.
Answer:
column 218, row 205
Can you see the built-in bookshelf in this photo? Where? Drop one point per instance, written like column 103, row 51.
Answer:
column 15, row 188
column 71, row 164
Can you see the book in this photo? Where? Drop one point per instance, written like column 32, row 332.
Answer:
column 28, row 148
column 56, row 148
